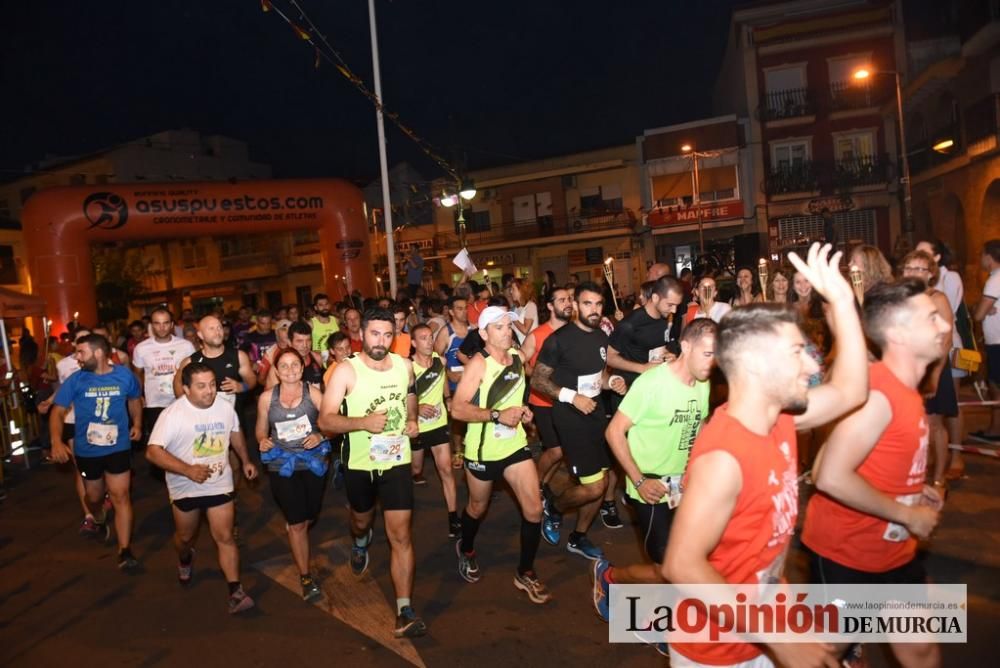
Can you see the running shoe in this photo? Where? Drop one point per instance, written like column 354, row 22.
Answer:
column 468, row 567
column 454, row 528
column 239, row 602
column 310, row 589
column 551, row 522
column 419, row 479
column 88, row 527
column 585, row 548
column 359, row 555
column 184, row 573
column 601, row 588
column 408, row 625
column 126, row 562
column 609, row 515
column 532, row 586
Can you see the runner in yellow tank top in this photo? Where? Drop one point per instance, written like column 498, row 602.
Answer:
column 490, row 398
column 371, row 399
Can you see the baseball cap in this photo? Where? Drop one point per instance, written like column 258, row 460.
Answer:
column 492, row 314
column 284, row 323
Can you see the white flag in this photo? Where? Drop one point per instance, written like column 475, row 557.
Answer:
column 464, row 262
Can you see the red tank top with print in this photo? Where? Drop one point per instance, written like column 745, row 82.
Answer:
column 753, row 545
column 541, row 333
column 897, row 467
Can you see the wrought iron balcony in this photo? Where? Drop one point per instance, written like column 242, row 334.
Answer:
column 794, row 178
column 865, row 170
column 540, row 228
column 857, row 94
column 790, row 103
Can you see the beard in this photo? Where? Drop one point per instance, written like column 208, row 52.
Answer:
column 89, row 365
column 565, row 316
column 377, row 353
column 324, row 313
column 593, row 320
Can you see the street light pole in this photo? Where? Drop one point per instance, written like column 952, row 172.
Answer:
column 386, row 204
column 697, row 204
column 907, row 193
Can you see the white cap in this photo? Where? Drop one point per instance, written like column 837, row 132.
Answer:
column 492, row 314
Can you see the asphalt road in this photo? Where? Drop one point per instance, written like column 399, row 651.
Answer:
column 62, row 600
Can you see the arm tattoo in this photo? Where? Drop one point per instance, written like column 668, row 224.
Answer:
column 541, row 380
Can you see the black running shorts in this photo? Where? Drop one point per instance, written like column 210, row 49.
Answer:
column 546, row 428
column 492, row 471
column 393, row 487
column 582, row 438
column 299, row 497
column 94, row 468
column 192, row 503
column 428, row 439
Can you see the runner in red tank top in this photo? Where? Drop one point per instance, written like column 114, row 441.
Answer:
column 560, row 305
column 874, row 504
column 741, row 499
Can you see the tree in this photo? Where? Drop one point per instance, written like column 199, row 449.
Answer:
column 119, row 277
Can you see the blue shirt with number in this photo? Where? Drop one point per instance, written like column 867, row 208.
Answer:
column 101, row 403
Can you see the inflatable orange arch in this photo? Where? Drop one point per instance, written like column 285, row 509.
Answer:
column 59, row 224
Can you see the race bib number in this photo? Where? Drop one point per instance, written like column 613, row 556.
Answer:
column 216, row 465
column 897, row 533
column 388, row 449
column 456, row 369
column 102, row 435
column 589, row 385
column 437, row 413
column 502, row 431
column 293, row 430
column 657, row 354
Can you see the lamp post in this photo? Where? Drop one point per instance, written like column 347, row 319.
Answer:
column 688, row 151
column 465, row 192
column 862, row 75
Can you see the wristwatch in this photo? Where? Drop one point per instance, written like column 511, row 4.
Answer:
column 495, row 416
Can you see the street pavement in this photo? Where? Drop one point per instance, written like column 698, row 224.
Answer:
column 63, row 601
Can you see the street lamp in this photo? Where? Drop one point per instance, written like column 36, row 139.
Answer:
column 862, row 74
column 688, row 151
column 465, row 191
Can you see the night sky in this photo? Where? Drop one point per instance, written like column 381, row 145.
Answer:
column 487, row 83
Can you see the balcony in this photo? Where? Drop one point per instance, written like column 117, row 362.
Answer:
column 865, row 170
column 848, row 95
column 794, row 178
column 540, row 228
column 785, row 104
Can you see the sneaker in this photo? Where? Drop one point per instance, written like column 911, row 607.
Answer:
column 239, row 602
column 310, row 590
column 419, row 479
column 468, row 567
column 551, row 523
column 454, row 528
column 127, row 562
column 88, row 527
column 184, row 573
column 408, row 625
column 359, row 556
column 585, row 548
column 532, row 586
column 609, row 515
column 601, row 588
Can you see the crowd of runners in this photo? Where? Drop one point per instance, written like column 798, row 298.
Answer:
column 699, row 414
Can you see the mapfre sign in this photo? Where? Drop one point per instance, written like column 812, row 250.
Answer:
column 687, row 215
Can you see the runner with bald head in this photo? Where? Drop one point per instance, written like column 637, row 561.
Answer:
column 657, row 271
column 233, row 372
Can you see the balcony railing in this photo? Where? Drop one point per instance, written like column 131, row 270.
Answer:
column 811, row 176
column 857, row 94
column 790, row 103
column 794, row 178
column 540, row 228
column 865, row 170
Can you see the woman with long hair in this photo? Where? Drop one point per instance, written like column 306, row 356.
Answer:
column 746, row 288
column 521, row 294
column 778, row 286
column 873, row 265
column 296, row 453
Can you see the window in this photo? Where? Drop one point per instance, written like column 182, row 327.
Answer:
column 193, row 256
column 854, row 146
column 785, row 78
column 305, row 237
column 842, row 68
column 601, row 199
column 243, row 246
column 859, row 227
column 475, row 221
column 789, row 155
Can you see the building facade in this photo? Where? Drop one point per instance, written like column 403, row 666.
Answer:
column 823, row 151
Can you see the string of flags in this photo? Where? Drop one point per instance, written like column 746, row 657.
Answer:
column 334, row 58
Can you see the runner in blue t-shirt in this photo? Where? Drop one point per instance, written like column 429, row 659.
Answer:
column 107, row 401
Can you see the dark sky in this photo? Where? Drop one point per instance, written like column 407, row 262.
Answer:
column 493, row 81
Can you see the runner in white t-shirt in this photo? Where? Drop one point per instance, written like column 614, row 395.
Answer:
column 191, row 442
column 155, row 360
column 986, row 313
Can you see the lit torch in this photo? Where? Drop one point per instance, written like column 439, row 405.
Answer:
column 858, row 283
column 609, row 274
column 762, row 275
column 486, row 279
